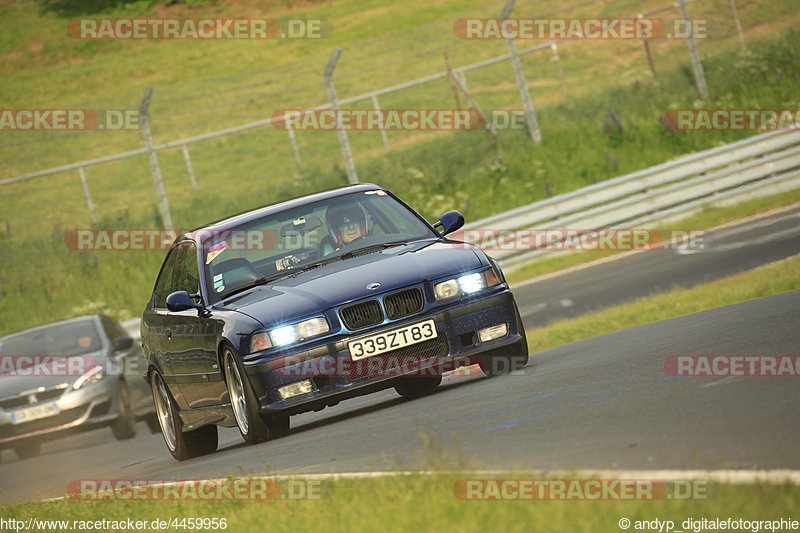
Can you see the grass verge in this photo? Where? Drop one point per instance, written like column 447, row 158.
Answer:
column 421, row 502
column 41, row 280
column 772, row 279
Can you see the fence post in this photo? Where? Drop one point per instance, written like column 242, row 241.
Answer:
column 699, row 75
column 295, row 150
column 474, row 105
column 377, row 106
column 557, row 59
column 87, row 194
column 452, row 81
column 144, row 121
column 188, row 160
column 352, row 177
column 647, row 52
column 738, row 24
column 530, row 116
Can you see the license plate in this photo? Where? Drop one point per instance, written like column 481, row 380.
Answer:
column 392, row 340
column 34, row 413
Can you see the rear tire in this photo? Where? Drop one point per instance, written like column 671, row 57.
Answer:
column 124, row 427
column 182, row 445
column 411, row 388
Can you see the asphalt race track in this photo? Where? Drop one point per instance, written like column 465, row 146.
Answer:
column 603, row 403
column 724, row 252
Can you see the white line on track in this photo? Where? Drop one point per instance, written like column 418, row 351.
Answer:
column 736, row 477
column 762, row 218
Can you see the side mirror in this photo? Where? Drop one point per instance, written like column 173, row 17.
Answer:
column 181, row 301
column 122, row 343
column 450, row 222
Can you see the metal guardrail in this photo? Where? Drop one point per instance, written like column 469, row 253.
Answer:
column 764, row 164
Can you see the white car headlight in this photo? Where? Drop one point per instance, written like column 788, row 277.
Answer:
column 464, row 285
column 472, row 283
column 446, row 289
column 289, row 334
column 92, row 376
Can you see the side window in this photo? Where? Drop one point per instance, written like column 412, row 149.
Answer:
column 164, row 283
column 186, row 276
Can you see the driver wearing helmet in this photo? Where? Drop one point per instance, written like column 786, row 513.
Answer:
column 346, row 223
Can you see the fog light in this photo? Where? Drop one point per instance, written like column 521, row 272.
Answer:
column 295, row 389
column 492, row 332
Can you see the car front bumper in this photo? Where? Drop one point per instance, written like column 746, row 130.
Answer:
column 333, row 375
column 78, row 410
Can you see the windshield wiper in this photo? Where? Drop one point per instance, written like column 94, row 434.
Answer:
column 372, row 248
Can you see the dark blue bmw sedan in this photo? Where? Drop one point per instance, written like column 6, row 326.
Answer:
column 296, row 306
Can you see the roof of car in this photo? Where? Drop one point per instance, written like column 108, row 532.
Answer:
column 209, row 230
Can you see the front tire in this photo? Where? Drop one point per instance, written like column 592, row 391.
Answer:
column 243, row 400
column 512, row 358
column 182, row 445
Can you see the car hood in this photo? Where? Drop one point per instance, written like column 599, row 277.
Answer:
column 342, row 281
column 20, row 374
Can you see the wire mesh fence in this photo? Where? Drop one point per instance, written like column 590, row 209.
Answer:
column 214, row 140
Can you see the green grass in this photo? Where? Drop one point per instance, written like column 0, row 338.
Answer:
column 777, row 278
column 604, row 77
column 422, row 502
column 41, row 280
column 709, row 217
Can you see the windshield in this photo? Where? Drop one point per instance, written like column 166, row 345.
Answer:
column 63, row 339
column 300, row 238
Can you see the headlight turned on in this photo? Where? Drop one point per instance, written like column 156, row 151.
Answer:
column 466, row 285
column 92, row 376
column 291, row 334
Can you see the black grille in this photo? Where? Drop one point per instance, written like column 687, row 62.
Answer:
column 362, row 315
column 383, row 364
column 20, row 401
column 403, row 303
